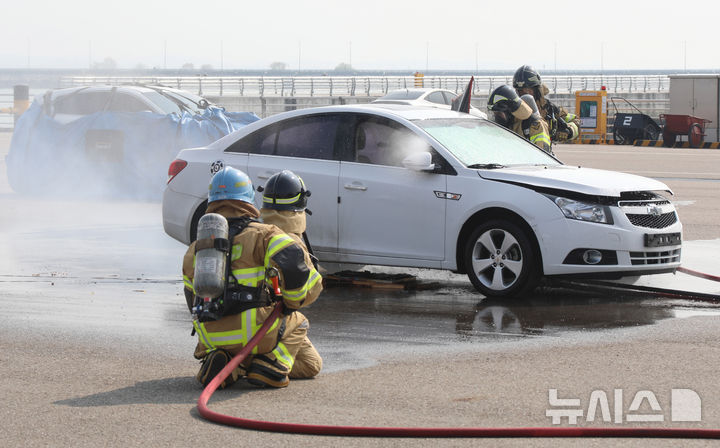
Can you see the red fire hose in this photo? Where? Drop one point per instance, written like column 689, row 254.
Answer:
column 368, row 431
column 714, row 278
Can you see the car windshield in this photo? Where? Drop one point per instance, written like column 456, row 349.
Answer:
column 167, row 105
column 403, row 95
column 480, row 143
column 188, row 100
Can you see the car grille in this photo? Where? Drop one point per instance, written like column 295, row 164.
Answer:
column 653, row 221
column 662, row 257
column 652, row 214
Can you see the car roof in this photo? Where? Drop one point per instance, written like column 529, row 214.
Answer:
column 102, row 87
column 393, row 111
column 419, row 89
column 410, row 94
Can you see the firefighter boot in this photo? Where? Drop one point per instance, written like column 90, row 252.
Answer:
column 212, row 364
column 267, row 372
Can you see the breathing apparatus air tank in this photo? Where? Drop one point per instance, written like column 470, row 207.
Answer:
column 211, row 256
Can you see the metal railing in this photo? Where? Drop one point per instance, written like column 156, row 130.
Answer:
column 371, row 86
column 7, row 121
column 7, row 102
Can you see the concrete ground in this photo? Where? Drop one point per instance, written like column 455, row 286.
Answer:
column 86, row 387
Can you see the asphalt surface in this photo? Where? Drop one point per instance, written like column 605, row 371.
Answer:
column 96, row 345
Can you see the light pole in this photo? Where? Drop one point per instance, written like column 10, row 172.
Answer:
column 476, row 57
column 427, row 56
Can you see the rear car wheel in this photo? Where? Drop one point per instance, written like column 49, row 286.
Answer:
column 500, row 260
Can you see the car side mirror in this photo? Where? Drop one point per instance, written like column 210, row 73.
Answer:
column 419, row 161
column 203, row 104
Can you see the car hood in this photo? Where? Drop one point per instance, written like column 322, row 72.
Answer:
column 571, row 178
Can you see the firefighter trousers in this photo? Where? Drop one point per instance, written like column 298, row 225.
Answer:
column 294, row 355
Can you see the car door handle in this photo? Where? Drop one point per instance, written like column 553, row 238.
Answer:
column 355, row 186
column 265, row 175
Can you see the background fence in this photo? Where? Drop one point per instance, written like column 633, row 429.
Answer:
column 371, row 86
column 268, row 95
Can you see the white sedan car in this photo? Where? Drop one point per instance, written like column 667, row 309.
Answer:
column 431, row 188
column 423, row 96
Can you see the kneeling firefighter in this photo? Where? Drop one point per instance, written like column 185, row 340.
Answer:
column 520, row 115
column 284, row 204
column 227, row 273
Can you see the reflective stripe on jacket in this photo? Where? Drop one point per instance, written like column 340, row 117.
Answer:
column 256, row 249
column 231, row 334
column 537, row 133
column 293, row 223
column 300, row 282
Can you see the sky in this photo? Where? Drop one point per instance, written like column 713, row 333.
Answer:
column 370, row 35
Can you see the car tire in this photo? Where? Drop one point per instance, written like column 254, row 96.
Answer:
column 500, row 260
column 199, row 212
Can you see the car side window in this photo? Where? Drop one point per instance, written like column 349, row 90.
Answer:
column 266, row 144
column 380, row 141
column 81, row 103
column 436, row 97
column 449, row 97
column 308, row 137
column 311, row 137
column 261, row 141
column 123, row 102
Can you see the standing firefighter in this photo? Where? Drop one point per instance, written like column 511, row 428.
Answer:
column 563, row 126
column 253, row 253
column 520, row 115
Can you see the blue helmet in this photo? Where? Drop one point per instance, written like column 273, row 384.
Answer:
column 231, row 183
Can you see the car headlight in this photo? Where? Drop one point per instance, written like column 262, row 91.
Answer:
column 582, row 211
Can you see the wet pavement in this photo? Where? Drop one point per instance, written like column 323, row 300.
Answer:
column 106, row 272
column 378, row 325
column 96, row 337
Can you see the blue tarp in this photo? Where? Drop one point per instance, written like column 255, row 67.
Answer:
column 120, row 154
